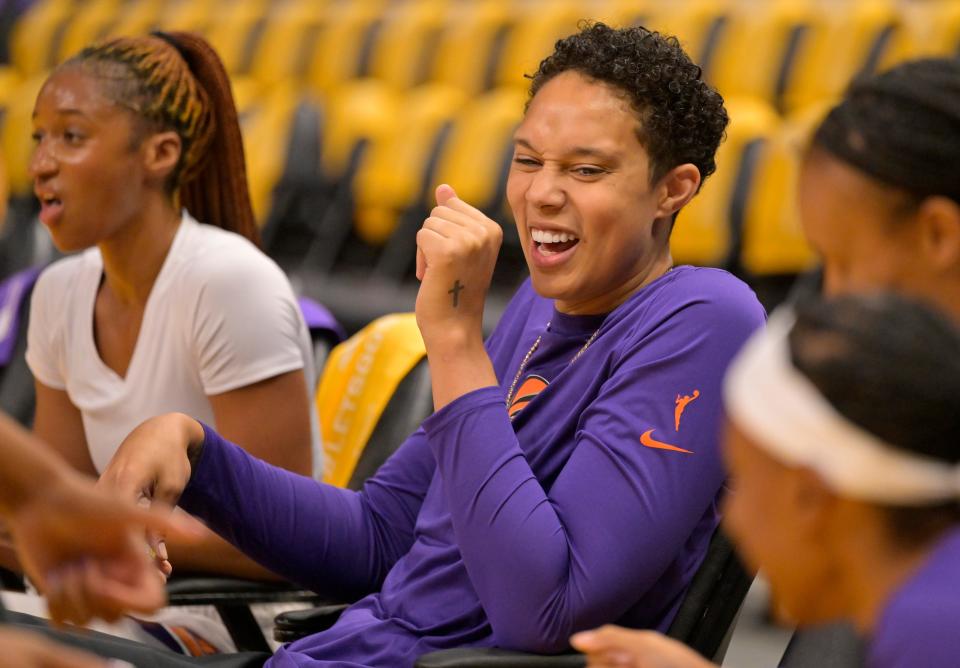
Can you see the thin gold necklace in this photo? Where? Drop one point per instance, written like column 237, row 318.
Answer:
column 533, row 349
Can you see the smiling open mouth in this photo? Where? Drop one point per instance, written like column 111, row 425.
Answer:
column 551, row 243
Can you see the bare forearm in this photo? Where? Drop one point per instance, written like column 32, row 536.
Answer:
column 212, row 554
column 24, row 460
column 459, row 364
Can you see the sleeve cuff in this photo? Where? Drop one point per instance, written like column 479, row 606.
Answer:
column 469, row 402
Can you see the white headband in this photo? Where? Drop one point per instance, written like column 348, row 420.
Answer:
column 784, row 413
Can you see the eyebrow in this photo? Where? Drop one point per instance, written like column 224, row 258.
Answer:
column 64, row 112
column 585, row 151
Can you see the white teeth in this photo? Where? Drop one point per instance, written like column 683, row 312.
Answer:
column 544, row 237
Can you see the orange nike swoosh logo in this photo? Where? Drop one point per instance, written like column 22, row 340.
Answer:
column 648, row 440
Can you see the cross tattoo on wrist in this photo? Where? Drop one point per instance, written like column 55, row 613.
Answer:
column 455, row 291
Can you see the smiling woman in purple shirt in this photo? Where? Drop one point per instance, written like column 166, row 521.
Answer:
column 570, row 473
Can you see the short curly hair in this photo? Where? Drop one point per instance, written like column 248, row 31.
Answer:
column 681, row 118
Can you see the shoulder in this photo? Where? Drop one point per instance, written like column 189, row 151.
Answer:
column 920, row 619
column 60, row 279
column 216, row 259
column 695, row 298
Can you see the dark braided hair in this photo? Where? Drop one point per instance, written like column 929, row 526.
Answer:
column 176, row 81
column 890, row 365
column 901, row 127
column 682, row 119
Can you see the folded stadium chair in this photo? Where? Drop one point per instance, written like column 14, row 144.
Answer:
column 91, row 22
column 34, row 41
column 15, row 139
column 704, row 620
column 934, row 27
column 859, row 37
column 624, row 13
column 780, row 30
column 537, row 27
column 468, row 48
column 234, row 33
column 288, row 36
column 337, row 51
column 699, row 24
column 136, row 17
column 266, row 124
column 193, row 15
column 401, row 50
column 707, row 231
column 355, row 116
column 475, row 160
column 773, row 243
column 375, row 391
column 382, row 192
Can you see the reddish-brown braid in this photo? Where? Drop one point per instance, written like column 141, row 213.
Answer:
column 176, row 81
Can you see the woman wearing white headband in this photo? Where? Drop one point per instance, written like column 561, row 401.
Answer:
column 843, row 443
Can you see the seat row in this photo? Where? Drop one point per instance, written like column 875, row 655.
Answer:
column 788, row 52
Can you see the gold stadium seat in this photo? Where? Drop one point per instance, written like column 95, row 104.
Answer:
column 704, row 230
column 136, row 18
column 477, row 154
column 390, row 177
column 466, row 52
column 233, row 31
column 382, row 364
column 355, row 112
column 193, row 15
column 536, row 29
column 90, row 23
column 265, row 122
column 780, row 30
column 15, row 135
column 35, row 38
column 624, row 13
column 289, row 34
column 402, row 48
column 934, row 27
column 699, row 24
column 773, row 242
column 860, row 36
column 336, row 55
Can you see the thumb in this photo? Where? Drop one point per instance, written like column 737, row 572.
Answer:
column 445, row 193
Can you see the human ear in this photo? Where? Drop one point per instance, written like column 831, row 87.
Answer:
column 676, row 188
column 812, row 502
column 939, row 221
column 161, row 152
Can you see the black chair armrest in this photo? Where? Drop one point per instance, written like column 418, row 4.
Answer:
column 296, row 624
column 214, row 590
column 497, row 658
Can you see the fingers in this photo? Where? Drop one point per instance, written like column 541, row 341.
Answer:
column 421, row 264
column 30, row 650
column 444, row 193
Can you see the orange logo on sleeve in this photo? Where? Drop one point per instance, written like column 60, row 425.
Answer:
column 531, row 387
column 682, row 405
column 647, row 439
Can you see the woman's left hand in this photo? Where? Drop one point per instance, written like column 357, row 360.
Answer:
column 616, row 647
column 457, row 249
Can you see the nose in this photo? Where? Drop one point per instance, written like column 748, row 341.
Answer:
column 546, row 189
column 42, row 162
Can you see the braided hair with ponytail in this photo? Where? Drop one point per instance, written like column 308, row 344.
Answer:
column 176, row 81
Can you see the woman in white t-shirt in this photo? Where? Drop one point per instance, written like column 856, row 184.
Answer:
column 134, row 138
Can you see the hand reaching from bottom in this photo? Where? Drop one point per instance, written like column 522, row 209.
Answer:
column 616, row 647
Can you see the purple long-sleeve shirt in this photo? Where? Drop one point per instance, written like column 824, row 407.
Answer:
column 918, row 626
column 594, row 505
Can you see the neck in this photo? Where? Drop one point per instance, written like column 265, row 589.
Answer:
column 871, row 582
column 608, row 301
column 133, row 257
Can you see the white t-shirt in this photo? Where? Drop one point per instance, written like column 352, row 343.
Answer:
column 221, row 315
